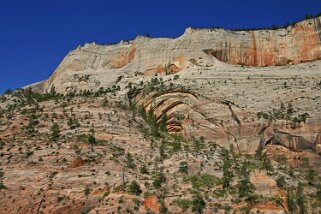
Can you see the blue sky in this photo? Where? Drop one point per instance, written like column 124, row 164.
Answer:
column 35, row 35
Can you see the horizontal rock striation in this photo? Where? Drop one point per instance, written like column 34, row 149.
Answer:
column 291, row 45
column 199, row 48
column 203, row 57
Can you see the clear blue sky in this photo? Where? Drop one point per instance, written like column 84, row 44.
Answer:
column 35, row 35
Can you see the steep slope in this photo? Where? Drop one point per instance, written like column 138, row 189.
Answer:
column 170, row 125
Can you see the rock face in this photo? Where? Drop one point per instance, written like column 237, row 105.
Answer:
column 292, row 45
column 225, row 113
column 196, row 47
column 295, row 143
column 164, row 131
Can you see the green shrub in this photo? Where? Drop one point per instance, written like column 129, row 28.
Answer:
column 280, row 182
column 290, row 201
column 91, row 141
column 184, row 204
column 198, row 203
column 2, row 186
column 55, row 132
column 244, row 186
column 73, row 123
column 300, row 198
column 144, row 169
column 183, row 167
column 159, row 180
column 130, row 161
column 205, row 180
column 134, row 188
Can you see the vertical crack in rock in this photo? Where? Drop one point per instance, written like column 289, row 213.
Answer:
column 229, row 104
column 39, row 206
column 235, row 118
column 254, row 60
column 317, row 27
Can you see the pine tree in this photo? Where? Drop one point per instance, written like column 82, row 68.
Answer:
column 159, row 180
column 162, row 152
column 245, row 187
column 55, row 132
column 30, row 128
column 130, row 161
column 91, row 142
column 267, row 164
column 300, row 198
column 163, row 209
column 290, row 201
column 144, row 170
column 227, row 173
column 2, row 186
column 134, row 188
column 198, row 203
column 163, row 122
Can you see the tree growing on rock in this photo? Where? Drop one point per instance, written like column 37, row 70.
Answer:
column 55, row 132
column 198, row 203
column 290, row 201
column 134, row 188
column 91, row 142
column 2, row 186
column 300, row 198
column 245, row 187
column 30, row 128
column 130, row 161
column 183, row 167
column 227, row 172
column 159, row 180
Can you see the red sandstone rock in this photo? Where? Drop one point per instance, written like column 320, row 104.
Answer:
column 151, row 202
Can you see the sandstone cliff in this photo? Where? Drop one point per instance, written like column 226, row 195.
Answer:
column 220, row 115
column 91, row 66
column 166, row 135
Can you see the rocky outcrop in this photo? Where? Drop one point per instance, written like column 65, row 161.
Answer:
column 293, row 142
column 298, row 43
column 317, row 144
column 196, row 48
column 152, row 203
column 205, row 103
column 202, row 58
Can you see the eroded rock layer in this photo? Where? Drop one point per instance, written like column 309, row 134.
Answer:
column 195, row 48
column 142, row 124
column 292, row 45
column 219, row 115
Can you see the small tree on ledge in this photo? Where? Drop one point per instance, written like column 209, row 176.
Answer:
column 55, row 132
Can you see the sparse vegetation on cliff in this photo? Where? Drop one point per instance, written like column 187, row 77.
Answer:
column 284, row 113
column 171, row 145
